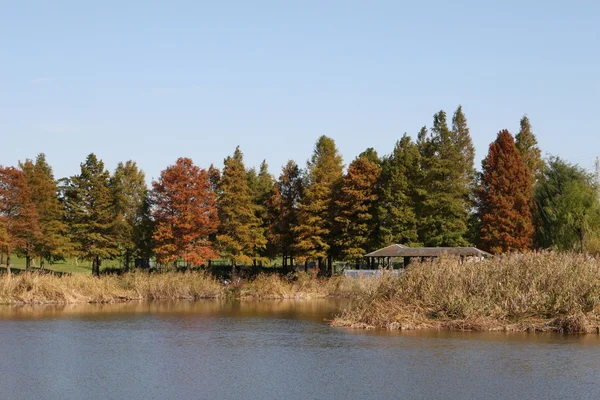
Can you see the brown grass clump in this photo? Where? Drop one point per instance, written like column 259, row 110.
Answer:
column 534, row 292
column 305, row 286
column 36, row 288
column 31, row 287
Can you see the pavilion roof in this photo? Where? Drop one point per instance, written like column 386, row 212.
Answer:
column 398, row 250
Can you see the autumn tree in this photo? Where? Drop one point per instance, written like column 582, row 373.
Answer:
column 315, row 230
column 527, row 144
column 90, row 213
column 447, row 186
column 261, row 185
column 568, row 207
column 185, row 214
column 19, row 227
column 129, row 192
column 398, row 184
column 505, row 198
column 282, row 212
column 356, row 217
column 241, row 237
column 53, row 243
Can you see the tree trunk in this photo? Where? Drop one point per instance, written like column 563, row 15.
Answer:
column 127, row 261
column 306, row 266
column 329, row 266
column 27, row 261
column 96, row 266
column 233, row 270
column 42, row 263
column 8, row 266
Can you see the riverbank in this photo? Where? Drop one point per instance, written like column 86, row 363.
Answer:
column 38, row 288
column 530, row 292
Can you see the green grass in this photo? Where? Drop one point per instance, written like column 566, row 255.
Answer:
column 66, row 266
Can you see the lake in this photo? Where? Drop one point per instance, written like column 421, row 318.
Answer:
column 273, row 350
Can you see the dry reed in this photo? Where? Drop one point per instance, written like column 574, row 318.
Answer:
column 36, row 288
column 529, row 292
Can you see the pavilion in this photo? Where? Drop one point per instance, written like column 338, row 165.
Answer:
column 384, row 257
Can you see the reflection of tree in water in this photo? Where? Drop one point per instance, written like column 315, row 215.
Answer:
column 317, row 309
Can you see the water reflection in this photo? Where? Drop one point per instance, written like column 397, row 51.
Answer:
column 273, row 350
column 317, row 309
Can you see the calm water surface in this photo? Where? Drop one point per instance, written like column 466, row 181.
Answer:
column 273, row 350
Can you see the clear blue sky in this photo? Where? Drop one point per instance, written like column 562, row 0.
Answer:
column 153, row 81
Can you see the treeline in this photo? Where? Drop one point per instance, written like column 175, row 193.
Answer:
column 426, row 192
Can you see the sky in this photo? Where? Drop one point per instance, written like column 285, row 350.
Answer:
column 154, row 81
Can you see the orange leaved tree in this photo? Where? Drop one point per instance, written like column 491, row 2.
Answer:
column 19, row 221
column 185, row 214
column 505, row 198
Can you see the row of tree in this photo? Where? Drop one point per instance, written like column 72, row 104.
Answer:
column 426, row 192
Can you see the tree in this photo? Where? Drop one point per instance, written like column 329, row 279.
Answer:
column 505, row 198
column 446, row 190
column 52, row 244
column 315, row 230
column 19, row 227
column 355, row 204
column 282, row 212
column 241, row 237
column 527, row 144
column 568, row 208
column 129, row 192
column 398, row 184
column 185, row 214
column 261, row 185
column 90, row 213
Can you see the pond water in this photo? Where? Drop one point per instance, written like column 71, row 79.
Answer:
column 273, row 350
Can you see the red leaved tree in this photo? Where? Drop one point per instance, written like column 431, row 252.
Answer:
column 19, row 218
column 185, row 214
column 505, row 198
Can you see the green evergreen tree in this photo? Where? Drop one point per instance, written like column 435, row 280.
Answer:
column 91, row 213
column 396, row 211
column 241, row 237
column 129, row 192
column 315, row 230
column 447, row 187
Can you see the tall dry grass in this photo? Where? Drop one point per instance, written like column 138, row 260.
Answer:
column 27, row 288
column 536, row 291
column 36, row 288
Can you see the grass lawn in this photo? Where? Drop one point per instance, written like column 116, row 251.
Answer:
column 67, row 266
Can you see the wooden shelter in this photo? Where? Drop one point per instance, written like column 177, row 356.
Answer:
column 386, row 255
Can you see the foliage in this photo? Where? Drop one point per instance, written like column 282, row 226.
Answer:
column 315, row 230
column 283, row 207
column 90, row 213
column 261, row 185
column 445, row 191
column 568, row 208
column 527, row 144
column 506, row 196
column 397, row 187
column 52, row 244
column 185, row 214
column 356, row 208
column 129, row 194
column 241, row 237
column 19, row 220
